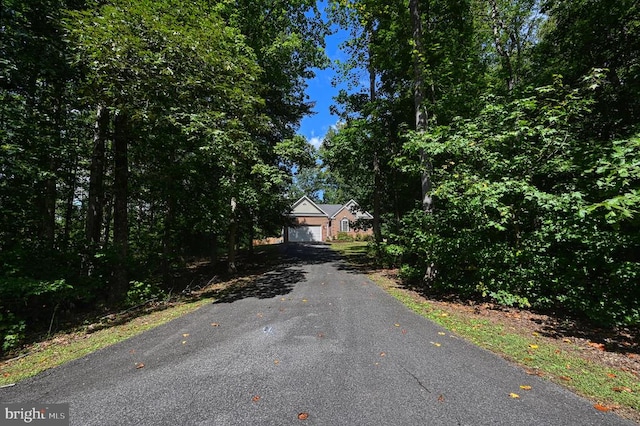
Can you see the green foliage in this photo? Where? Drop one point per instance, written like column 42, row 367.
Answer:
column 344, row 237
column 141, row 292
column 212, row 94
column 12, row 329
column 529, row 214
column 25, row 299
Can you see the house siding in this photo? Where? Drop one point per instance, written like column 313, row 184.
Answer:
column 334, row 228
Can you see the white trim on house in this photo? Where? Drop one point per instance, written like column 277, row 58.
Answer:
column 305, row 201
column 344, row 221
column 357, row 213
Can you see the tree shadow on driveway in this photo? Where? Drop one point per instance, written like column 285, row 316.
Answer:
column 282, row 278
column 268, row 285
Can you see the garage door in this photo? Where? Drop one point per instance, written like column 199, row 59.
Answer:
column 305, row 234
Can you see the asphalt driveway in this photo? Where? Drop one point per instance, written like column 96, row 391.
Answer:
column 312, row 342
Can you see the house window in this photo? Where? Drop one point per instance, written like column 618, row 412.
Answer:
column 344, row 225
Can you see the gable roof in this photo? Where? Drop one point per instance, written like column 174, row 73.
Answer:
column 352, row 206
column 330, row 209
column 306, row 207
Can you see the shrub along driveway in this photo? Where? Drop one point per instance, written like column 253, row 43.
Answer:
column 312, row 341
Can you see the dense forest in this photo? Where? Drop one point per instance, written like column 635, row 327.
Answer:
column 496, row 142
column 136, row 135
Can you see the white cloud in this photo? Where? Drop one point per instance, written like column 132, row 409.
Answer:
column 316, row 141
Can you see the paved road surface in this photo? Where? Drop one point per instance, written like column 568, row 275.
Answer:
column 311, row 337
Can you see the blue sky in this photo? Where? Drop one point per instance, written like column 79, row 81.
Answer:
column 321, row 92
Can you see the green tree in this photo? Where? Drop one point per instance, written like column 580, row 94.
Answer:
column 582, row 35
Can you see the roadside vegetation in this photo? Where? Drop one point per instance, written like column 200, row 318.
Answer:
column 203, row 284
column 600, row 364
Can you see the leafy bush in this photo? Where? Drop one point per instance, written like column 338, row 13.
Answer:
column 140, row 292
column 528, row 213
column 344, row 237
column 12, row 329
column 25, row 298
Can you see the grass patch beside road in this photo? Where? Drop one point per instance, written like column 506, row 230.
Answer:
column 553, row 358
column 66, row 347
column 84, row 339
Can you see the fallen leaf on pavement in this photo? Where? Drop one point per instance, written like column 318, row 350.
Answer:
column 397, row 325
column 139, row 365
column 276, row 362
column 383, row 354
column 404, row 331
column 303, row 416
column 215, row 324
column 436, row 344
column 304, row 300
column 601, row 407
column 440, row 398
column 441, row 333
column 256, row 398
column 185, row 335
column 184, row 342
column 514, row 395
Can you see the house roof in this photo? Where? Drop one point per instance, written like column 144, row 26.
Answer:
column 306, row 207
column 330, row 209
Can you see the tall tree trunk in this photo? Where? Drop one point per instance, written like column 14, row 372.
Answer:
column 50, row 197
column 251, row 234
column 499, row 26
column 95, row 202
column 108, row 216
column 377, row 180
column 71, row 195
column 419, row 95
column 214, row 249
column 167, row 240
column 120, row 281
column 233, row 235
